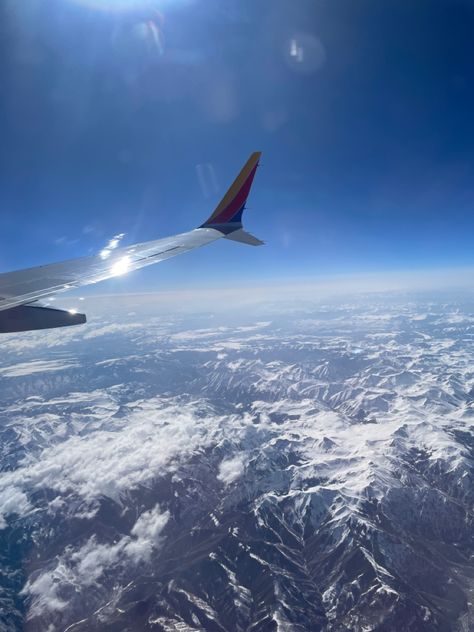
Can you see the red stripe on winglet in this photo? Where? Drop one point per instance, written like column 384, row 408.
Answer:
column 237, row 203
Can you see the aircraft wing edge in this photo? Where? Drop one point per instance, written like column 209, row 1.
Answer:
column 20, row 290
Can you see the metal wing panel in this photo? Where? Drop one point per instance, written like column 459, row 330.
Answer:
column 25, row 286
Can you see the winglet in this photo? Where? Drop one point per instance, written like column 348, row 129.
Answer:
column 228, row 215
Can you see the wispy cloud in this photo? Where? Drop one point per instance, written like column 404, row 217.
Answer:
column 79, row 568
column 102, row 463
column 231, row 469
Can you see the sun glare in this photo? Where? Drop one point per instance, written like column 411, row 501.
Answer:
column 121, row 266
column 115, row 5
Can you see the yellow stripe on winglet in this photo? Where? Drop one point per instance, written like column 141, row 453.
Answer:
column 236, row 185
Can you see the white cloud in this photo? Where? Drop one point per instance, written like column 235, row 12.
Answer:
column 83, row 567
column 121, row 453
column 12, row 501
column 43, row 339
column 146, row 534
column 45, row 588
column 36, row 366
column 113, row 328
column 231, row 469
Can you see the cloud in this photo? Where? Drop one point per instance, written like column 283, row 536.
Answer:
column 149, row 438
column 46, row 338
column 112, row 328
column 80, row 568
column 12, row 501
column 36, row 366
column 145, row 534
column 231, row 469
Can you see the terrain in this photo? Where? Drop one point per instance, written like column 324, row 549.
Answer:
column 305, row 467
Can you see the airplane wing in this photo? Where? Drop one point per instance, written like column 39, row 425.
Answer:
column 21, row 290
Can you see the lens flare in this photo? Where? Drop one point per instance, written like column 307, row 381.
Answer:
column 150, row 32
column 115, row 5
column 304, row 53
column 131, row 5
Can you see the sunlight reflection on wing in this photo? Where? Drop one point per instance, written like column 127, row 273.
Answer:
column 121, row 266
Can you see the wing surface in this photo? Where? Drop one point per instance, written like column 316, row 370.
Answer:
column 32, row 284
column 27, row 287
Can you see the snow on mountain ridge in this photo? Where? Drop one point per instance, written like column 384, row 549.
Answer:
column 316, row 479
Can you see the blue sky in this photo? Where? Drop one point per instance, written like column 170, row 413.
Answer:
column 127, row 116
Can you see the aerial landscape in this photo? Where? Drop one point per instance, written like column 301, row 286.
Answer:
column 305, row 468
column 271, row 439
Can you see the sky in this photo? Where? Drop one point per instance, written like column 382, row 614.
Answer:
column 129, row 116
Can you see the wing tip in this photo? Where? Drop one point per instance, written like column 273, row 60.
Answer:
column 230, row 208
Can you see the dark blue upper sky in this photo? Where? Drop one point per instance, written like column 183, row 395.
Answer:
column 135, row 119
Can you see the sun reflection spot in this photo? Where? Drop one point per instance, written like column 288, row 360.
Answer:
column 121, row 266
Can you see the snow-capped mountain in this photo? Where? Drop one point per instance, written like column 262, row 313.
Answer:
column 302, row 469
